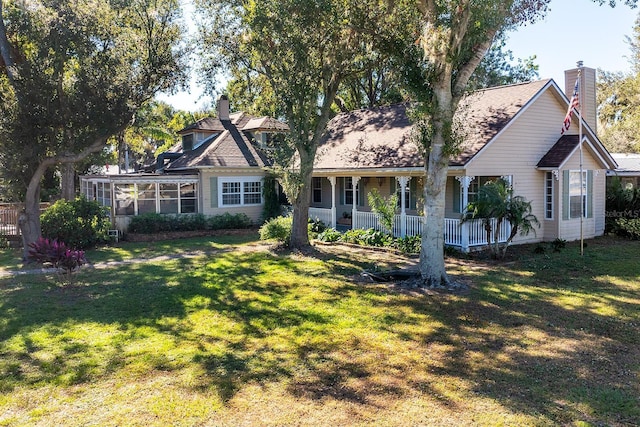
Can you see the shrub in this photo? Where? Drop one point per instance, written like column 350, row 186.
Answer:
column 80, row 223
column 62, row 258
column 622, row 203
column 409, row 244
column 228, row 221
column 539, row 249
column 150, row 223
column 385, row 206
column 329, row 235
column 628, row 227
column 316, row 226
column 369, row 237
column 558, row 244
column 278, row 228
column 271, row 207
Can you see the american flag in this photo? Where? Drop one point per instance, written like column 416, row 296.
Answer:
column 574, row 103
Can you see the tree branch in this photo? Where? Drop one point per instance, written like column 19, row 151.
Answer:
column 465, row 72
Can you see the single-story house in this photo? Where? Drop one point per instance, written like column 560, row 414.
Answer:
column 628, row 169
column 513, row 132
column 218, row 167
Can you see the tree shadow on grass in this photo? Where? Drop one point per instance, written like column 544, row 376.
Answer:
column 254, row 318
column 535, row 353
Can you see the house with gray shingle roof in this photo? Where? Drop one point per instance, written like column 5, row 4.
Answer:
column 511, row 132
column 218, row 168
column 628, row 170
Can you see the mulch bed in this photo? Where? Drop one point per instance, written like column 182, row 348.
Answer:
column 171, row 235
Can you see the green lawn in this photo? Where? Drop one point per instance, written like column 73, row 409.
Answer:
column 237, row 334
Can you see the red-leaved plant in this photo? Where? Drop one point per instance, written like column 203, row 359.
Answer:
column 57, row 254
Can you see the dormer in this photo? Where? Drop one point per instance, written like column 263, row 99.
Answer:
column 266, row 131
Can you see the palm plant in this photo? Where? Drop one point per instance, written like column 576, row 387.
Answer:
column 495, row 206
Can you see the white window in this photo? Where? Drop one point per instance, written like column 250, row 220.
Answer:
column 548, row 195
column 152, row 197
column 188, row 198
column 240, row 191
column 230, row 193
column 168, row 198
column 124, row 199
column 252, row 193
column 146, row 198
column 577, row 194
column 407, row 195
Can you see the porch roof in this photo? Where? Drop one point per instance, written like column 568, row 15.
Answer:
column 380, row 138
column 560, row 151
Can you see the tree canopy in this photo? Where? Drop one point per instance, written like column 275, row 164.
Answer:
column 619, row 103
column 73, row 75
column 303, row 49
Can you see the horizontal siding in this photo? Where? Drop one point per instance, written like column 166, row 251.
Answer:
column 518, row 150
column 254, row 212
column 591, row 227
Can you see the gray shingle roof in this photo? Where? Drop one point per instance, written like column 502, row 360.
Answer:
column 380, row 138
column 231, row 148
column 559, row 152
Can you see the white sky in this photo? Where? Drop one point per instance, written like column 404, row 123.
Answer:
column 572, row 31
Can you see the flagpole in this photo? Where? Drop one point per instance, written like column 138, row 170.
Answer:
column 582, row 183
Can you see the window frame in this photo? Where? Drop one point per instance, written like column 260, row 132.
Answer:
column 348, row 191
column 243, row 185
column 549, row 196
column 575, row 188
column 316, row 189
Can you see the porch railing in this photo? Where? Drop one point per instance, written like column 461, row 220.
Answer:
column 322, row 214
column 456, row 233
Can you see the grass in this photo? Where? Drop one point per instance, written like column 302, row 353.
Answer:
column 240, row 335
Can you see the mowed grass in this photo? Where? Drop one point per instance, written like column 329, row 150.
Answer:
column 240, row 334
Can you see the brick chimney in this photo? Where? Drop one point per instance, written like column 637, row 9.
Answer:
column 223, row 108
column 587, row 92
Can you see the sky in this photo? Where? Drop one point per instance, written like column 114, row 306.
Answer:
column 572, row 31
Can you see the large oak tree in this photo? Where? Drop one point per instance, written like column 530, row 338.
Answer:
column 304, row 49
column 73, row 73
column 455, row 37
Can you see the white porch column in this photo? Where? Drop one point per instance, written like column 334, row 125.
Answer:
column 332, row 180
column 403, row 181
column 465, row 181
column 354, row 209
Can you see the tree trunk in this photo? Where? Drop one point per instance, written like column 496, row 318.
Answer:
column 432, row 268
column 299, row 228
column 68, row 181
column 29, row 221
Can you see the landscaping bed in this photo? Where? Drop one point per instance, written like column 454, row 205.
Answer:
column 172, row 235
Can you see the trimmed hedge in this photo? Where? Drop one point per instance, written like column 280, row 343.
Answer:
column 155, row 223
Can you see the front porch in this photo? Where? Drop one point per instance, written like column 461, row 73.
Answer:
column 350, row 198
column 464, row 236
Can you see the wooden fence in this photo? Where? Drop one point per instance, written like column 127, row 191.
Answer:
column 9, row 214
